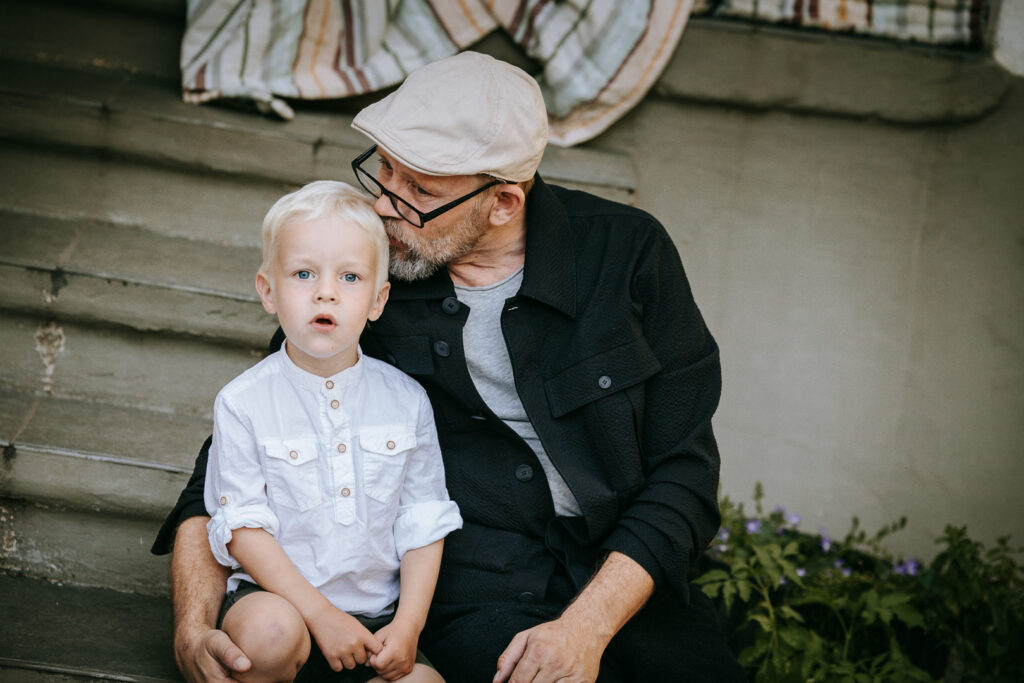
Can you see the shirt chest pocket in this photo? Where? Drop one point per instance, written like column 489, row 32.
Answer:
column 292, row 477
column 385, row 450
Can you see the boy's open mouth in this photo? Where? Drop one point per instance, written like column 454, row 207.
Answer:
column 323, row 323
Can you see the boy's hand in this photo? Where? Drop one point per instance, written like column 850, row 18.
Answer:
column 399, row 653
column 343, row 640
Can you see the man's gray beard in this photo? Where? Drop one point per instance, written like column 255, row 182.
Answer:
column 413, row 264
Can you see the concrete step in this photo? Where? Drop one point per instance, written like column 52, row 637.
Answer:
column 95, row 456
column 126, row 36
column 142, row 118
column 55, row 633
column 81, row 548
column 116, row 366
column 92, row 271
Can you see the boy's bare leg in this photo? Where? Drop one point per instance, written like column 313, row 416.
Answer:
column 272, row 634
column 421, row 673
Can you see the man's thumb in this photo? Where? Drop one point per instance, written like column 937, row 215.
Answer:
column 227, row 653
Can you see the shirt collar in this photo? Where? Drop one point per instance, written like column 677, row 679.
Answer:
column 550, row 268
column 315, row 383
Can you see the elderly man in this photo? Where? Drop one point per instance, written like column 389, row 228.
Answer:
column 573, row 383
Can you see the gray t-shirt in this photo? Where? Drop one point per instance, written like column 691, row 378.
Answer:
column 491, row 369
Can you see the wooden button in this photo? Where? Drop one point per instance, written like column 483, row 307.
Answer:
column 293, row 454
column 342, row 448
column 390, row 445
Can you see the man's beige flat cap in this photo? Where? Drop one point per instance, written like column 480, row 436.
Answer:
column 462, row 115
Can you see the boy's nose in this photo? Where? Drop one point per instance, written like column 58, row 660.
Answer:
column 326, row 292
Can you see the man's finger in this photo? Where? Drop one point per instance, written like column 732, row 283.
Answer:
column 227, row 653
column 510, row 657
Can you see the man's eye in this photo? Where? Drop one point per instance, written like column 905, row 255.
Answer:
column 350, row 277
column 419, row 190
column 303, row 274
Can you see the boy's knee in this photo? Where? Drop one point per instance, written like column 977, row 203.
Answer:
column 271, row 633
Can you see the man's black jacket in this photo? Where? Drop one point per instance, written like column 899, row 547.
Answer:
column 620, row 378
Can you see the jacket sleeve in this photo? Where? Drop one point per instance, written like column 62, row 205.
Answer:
column 675, row 515
column 190, row 503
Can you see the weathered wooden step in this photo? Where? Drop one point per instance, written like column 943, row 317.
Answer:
column 88, row 270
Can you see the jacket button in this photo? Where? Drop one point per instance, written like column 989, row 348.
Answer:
column 527, row 596
column 604, row 381
column 524, row 473
column 442, row 349
column 450, row 305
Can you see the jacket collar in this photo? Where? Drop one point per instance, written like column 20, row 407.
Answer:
column 550, row 270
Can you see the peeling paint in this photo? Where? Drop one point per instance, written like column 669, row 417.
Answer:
column 8, row 541
column 49, row 343
column 58, row 281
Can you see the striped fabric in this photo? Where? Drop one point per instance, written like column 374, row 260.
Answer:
column 939, row 22
column 599, row 57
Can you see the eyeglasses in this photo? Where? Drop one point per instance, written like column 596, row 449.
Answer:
column 367, row 177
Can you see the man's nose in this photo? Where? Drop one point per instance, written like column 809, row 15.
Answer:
column 385, row 207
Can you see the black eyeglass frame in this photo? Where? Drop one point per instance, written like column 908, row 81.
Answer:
column 377, row 190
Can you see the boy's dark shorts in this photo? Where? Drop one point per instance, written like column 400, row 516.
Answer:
column 316, row 668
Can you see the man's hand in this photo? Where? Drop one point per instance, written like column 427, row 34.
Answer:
column 209, row 657
column 560, row 650
column 343, row 640
column 397, row 657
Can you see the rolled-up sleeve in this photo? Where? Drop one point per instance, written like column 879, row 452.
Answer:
column 235, row 493
column 426, row 513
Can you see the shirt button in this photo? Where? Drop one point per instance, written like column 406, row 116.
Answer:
column 450, row 305
column 293, row 455
column 335, row 403
column 524, row 473
column 346, row 492
column 390, row 445
column 442, row 349
column 527, row 596
column 342, row 448
column 223, row 500
column 604, row 381
column 329, row 384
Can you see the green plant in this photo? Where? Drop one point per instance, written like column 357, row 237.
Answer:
column 810, row 608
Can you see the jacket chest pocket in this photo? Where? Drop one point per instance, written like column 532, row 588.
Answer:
column 292, row 478
column 602, row 399
column 385, row 452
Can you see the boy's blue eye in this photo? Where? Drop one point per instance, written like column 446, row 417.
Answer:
column 303, row 274
column 350, row 277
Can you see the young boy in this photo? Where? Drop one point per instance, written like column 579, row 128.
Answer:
column 325, row 484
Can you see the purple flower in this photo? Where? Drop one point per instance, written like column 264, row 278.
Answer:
column 782, row 581
column 723, row 535
column 801, row 572
column 793, row 519
column 825, row 542
column 721, row 548
column 908, row 567
column 753, row 526
column 844, row 571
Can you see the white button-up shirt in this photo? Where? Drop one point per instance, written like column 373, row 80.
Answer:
column 344, row 471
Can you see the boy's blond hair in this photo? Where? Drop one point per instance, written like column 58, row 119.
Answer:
column 319, row 199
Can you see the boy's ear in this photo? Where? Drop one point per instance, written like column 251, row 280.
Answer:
column 263, row 289
column 378, row 304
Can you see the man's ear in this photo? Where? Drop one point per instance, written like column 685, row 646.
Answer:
column 510, row 202
column 263, row 289
column 378, row 305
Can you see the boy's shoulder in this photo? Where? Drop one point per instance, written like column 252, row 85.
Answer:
column 253, row 376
